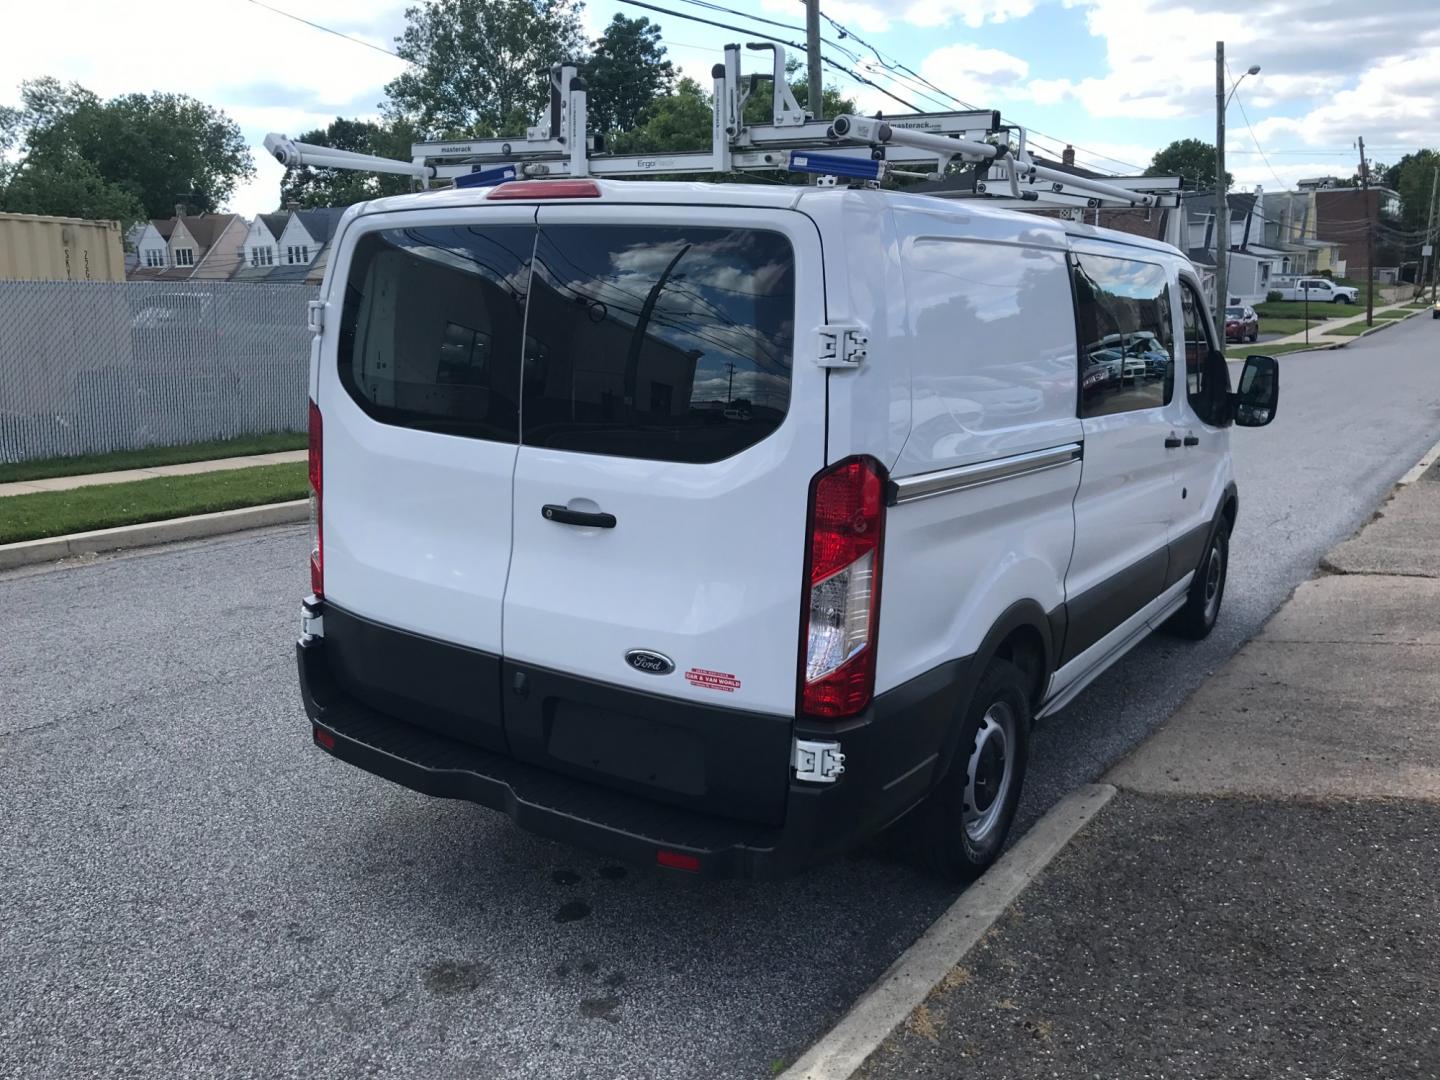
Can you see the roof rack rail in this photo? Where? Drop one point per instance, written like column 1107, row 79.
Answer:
column 865, row 150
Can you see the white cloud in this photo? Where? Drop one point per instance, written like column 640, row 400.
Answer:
column 267, row 72
column 875, row 16
column 975, row 75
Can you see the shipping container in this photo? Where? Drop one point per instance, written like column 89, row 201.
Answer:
column 34, row 247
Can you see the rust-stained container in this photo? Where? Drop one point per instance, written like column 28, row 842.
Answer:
column 34, row 247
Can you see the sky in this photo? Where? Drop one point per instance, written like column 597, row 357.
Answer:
column 1118, row 79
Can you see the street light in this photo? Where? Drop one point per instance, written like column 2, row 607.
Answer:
column 1222, row 211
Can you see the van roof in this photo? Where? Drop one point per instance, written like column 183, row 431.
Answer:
column 780, row 197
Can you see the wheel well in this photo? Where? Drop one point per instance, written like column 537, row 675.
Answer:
column 1229, row 510
column 1025, row 648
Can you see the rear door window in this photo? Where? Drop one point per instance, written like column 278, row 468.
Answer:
column 669, row 343
column 433, row 325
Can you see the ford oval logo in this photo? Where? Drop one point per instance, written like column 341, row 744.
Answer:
column 652, row 663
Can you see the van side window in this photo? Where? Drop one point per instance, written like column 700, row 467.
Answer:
column 1204, row 385
column 1123, row 313
column 670, row 343
column 432, row 328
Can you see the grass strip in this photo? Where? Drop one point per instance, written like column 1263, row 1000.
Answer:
column 1295, row 309
column 104, row 506
column 151, row 456
column 1240, row 352
column 1354, row 329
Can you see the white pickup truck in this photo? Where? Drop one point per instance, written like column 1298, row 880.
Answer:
column 1319, row 290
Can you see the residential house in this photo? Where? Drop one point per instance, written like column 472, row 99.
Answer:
column 262, row 240
column 189, row 247
column 1250, row 263
column 292, row 245
column 1344, row 216
column 1290, row 225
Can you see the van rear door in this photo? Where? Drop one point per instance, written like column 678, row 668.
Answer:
column 670, row 425
column 419, row 394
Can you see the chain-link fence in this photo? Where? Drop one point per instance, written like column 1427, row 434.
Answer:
column 89, row 367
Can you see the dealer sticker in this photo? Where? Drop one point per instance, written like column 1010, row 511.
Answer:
column 712, row 680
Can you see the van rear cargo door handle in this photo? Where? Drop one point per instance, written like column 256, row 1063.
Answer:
column 1192, row 440
column 1171, row 442
column 565, row 516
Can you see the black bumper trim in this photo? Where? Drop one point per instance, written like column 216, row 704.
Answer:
column 903, row 727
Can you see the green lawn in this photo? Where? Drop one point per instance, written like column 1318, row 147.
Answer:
column 1295, row 309
column 1284, row 326
column 151, row 456
column 1354, row 329
column 55, row 513
column 1392, row 314
column 1240, row 352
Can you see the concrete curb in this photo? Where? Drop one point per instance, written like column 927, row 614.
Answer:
column 883, row 1007
column 1418, row 470
column 197, row 526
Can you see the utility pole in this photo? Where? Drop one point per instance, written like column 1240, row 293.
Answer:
column 812, row 65
column 1222, row 212
column 1369, row 238
column 1430, row 237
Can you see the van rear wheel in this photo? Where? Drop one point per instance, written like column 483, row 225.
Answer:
column 961, row 828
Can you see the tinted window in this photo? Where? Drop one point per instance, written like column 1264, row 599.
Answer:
column 432, row 326
column 1126, row 341
column 660, row 342
column 1207, row 382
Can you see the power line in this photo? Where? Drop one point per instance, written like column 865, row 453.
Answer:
column 779, row 41
column 328, row 30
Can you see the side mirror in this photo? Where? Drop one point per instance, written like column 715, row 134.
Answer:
column 1259, row 394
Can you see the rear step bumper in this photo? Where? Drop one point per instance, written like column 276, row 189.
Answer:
column 891, row 754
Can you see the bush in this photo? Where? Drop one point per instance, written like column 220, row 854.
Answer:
column 1274, row 296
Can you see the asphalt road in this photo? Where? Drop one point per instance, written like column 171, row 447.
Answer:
column 189, row 888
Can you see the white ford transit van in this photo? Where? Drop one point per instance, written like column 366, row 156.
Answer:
column 720, row 526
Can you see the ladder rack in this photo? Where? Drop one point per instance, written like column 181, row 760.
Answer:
column 922, row 145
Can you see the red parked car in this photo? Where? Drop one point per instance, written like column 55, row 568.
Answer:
column 1241, row 324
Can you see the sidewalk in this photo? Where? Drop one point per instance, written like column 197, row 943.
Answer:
column 189, row 468
column 1327, row 335
column 1261, row 897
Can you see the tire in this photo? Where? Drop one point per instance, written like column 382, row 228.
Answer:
column 962, row 827
column 1202, row 603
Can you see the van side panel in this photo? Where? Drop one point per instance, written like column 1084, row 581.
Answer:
column 994, row 379
column 869, row 408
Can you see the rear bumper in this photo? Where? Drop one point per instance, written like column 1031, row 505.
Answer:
column 891, row 752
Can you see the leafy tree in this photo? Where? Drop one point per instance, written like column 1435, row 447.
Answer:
column 1411, row 176
column 625, row 72
column 95, row 157
column 674, row 122
column 342, row 187
column 481, row 66
column 69, row 189
column 681, row 121
column 1192, row 159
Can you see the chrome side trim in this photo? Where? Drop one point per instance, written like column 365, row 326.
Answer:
column 944, row 481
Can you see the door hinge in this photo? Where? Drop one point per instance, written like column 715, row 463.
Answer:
column 818, row 762
column 842, row 345
column 315, row 316
column 312, row 619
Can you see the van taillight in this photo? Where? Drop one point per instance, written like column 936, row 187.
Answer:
column 841, row 608
column 317, row 503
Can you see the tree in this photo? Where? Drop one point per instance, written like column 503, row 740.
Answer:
column 1411, row 176
column 1191, row 158
column 481, row 66
column 675, row 122
column 625, row 72
column 342, row 187
column 94, row 156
